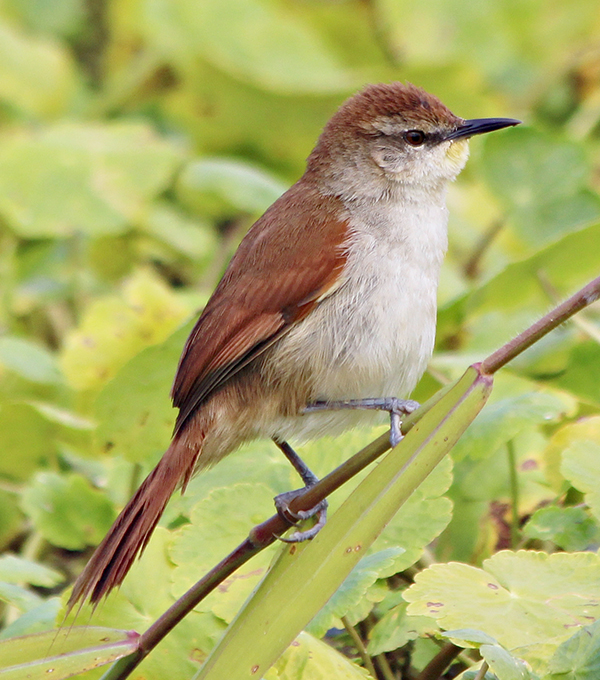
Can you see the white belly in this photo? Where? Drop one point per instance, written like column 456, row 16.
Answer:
column 374, row 336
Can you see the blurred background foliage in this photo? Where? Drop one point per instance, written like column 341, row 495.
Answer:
column 139, row 139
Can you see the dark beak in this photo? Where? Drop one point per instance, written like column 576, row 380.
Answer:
column 477, row 126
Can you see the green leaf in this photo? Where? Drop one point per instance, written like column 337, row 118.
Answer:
column 11, row 518
column 194, row 238
column 219, row 522
column 37, row 75
column 75, row 177
column 63, row 653
column 542, row 182
column 503, row 664
column 528, row 166
column 578, row 658
column 35, row 620
column 585, row 430
column 221, row 187
column 582, row 374
column 60, row 416
column 421, row 519
column 67, row 511
column 517, row 287
column 251, row 40
column 395, row 628
column 508, row 598
column 308, row 658
column 569, row 528
column 132, row 606
column 26, row 438
column 115, row 328
column 134, row 410
column 30, row 360
column 15, row 569
column 19, row 597
column 581, row 466
column 473, row 674
column 333, row 553
column 61, row 18
column 471, row 636
column 355, row 586
column 502, row 420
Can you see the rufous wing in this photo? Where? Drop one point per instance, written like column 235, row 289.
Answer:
column 292, row 257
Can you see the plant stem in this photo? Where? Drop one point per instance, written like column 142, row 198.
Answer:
column 472, row 264
column 360, row 646
column 515, row 529
column 440, row 662
column 384, row 667
column 482, row 671
column 547, row 323
column 585, row 326
column 259, row 538
column 264, row 534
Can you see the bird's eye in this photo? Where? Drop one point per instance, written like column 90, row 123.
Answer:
column 414, row 137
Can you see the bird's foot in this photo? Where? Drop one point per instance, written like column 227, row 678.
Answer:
column 394, row 406
column 282, row 504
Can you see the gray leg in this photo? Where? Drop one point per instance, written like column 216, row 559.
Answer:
column 282, row 502
column 395, row 407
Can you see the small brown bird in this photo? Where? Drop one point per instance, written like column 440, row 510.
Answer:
column 327, row 307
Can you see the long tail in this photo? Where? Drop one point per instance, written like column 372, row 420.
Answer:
column 132, row 529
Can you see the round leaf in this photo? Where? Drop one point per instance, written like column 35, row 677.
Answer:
column 67, row 511
column 77, row 177
column 520, row 598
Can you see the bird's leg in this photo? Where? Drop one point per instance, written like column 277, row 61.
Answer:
column 282, row 502
column 395, row 407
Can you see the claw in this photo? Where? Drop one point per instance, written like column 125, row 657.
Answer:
column 293, row 517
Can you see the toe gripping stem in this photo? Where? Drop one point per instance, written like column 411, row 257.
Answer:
column 282, row 502
column 394, row 406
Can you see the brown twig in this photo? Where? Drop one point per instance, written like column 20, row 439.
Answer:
column 264, row 534
column 434, row 669
column 547, row 323
column 259, row 538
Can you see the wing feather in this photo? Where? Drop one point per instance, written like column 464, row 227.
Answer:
column 274, row 280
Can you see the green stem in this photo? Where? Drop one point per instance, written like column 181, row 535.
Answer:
column 482, row 671
column 360, row 646
column 384, row 667
column 515, row 528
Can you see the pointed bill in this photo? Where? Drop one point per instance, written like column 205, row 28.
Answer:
column 478, row 126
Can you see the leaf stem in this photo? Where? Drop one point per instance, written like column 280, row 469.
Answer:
column 360, row 646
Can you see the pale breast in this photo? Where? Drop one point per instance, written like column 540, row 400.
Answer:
column 374, row 336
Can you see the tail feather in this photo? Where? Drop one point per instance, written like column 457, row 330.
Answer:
column 132, row 529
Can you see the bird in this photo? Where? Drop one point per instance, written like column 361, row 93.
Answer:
column 326, row 312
